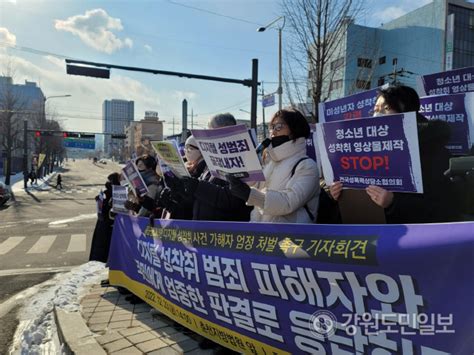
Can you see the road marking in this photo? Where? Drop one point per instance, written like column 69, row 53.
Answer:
column 42, row 245
column 77, row 243
column 9, row 244
column 75, row 219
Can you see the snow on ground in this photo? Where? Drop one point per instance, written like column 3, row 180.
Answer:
column 37, row 333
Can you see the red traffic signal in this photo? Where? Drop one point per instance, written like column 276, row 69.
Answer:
column 64, row 134
column 38, row 134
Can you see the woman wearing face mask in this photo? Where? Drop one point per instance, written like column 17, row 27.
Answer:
column 291, row 188
column 194, row 161
column 436, row 203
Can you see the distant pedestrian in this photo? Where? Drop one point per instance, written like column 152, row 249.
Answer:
column 59, row 181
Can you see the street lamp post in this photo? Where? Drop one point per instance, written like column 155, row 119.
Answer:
column 262, row 29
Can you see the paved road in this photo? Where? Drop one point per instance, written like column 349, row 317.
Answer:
column 46, row 228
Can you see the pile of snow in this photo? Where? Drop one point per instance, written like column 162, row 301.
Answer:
column 37, row 331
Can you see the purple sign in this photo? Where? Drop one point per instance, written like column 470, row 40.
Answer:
column 349, row 107
column 380, row 151
column 456, row 81
column 131, row 173
column 260, row 288
column 457, row 110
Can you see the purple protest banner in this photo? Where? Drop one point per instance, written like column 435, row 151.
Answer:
column 260, row 288
column 354, row 106
column 449, row 82
column 229, row 150
column 380, row 151
column 458, row 111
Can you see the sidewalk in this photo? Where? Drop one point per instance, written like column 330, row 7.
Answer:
column 110, row 324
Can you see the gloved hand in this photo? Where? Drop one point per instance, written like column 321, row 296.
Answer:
column 129, row 205
column 148, row 203
column 164, row 200
column 190, row 185
column 238, row 188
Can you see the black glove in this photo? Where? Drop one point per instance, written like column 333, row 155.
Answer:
column 238, row 188
column 148, row 203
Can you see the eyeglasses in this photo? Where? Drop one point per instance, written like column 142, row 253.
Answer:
column 191, row 147
column 277, row 127
column 381, row 110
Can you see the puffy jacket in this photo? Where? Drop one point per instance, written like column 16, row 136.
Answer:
column 282, row 198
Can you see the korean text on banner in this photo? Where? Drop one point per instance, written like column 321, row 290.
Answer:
column 455, row 81
column 169, row 154
column 380, row 151
column 458, row 111
column 260, row 288
column 229, row 150
column 131, row 173
column 119, row 197
column 354, row 106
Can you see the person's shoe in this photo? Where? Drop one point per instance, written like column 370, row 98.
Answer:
column 123, row 290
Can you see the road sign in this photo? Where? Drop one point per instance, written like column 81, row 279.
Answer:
column 268, row 100
column 79, row 143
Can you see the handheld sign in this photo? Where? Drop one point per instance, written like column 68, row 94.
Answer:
column 456, row 81
column 131, row 173
column 169, row 154
column 229, row 150
column 119, row 197
column 380, row 151
column 458, row 111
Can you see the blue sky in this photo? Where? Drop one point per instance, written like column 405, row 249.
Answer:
column 175, row 35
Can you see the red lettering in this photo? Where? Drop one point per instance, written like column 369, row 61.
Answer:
column 345, row 163
column 365, row 162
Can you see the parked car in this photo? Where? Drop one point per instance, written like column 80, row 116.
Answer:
column 103, row 161
column 4, row 194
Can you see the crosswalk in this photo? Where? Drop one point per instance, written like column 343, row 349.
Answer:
column 77, row 243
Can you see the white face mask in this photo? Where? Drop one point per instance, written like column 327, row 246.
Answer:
column 378, row 114
column 192, row 155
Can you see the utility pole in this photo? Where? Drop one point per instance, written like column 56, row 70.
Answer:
column 184, row 127
column 25, row 153
column 173, row 125
column 263, row 115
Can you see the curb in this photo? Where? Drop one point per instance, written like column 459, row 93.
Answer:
column 75, row 335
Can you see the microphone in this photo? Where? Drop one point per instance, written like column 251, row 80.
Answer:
column 265, row 143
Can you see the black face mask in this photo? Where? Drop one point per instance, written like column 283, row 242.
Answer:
column 279, row 140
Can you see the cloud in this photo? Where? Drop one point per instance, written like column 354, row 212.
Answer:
column 181, row 95
column 96, row 29
column 83, row 109
column 7, row 37
column 389, row 14
column 148, row 48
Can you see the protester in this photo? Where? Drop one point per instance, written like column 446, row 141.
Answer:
column 291, row 188
column 178, row 204
column 59, row 181
column 435, row 204
column 147, row 167
column 212, row 199
column 103, row 228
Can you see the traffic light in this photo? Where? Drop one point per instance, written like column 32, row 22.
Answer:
column 38, row 134
column 65, row 135
column 119, row 136
column 88, row 71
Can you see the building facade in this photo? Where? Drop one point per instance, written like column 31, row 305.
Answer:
column 139, row 134
column 116, row 115
column 436, row 37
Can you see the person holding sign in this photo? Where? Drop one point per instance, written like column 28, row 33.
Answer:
column 211, row 196
column 194, row 161
column 434, row 205
column 291, row 188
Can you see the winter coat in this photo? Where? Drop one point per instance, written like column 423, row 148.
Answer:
column 152, row 181
column 282, row 197
column 213, row 201
column 436, row 204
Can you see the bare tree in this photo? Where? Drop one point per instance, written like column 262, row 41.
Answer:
column 12, row 110
column 316, row 29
